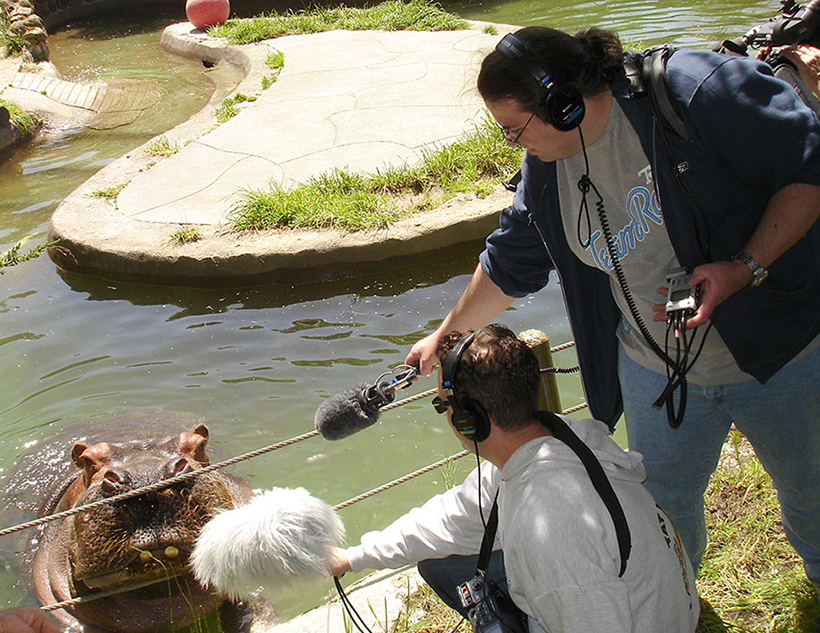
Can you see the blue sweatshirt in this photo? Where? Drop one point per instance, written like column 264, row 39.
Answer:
column 750, row 136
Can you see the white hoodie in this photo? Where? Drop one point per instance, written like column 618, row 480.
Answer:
column 560, row 547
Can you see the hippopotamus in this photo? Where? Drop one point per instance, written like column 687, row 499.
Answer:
column 138, row 540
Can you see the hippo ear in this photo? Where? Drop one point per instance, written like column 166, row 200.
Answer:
column 192, row 444
column 91, row 458
column 76, row 453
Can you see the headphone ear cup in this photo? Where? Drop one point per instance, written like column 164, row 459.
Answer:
column 480, row 421
column 564, row 107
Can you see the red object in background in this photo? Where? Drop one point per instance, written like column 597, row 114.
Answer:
column 205, row 13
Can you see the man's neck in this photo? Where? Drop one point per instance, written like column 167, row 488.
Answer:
column 501, row 444
column 597, row 116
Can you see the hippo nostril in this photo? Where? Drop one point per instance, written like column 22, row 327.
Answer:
column 177, row 467
column 115, row 481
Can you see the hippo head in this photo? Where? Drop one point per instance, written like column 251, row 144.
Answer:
column 144, row 538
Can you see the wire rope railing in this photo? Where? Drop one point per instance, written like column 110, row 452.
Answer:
column 239, row 458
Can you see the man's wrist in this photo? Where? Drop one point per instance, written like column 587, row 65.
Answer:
column 759, row 273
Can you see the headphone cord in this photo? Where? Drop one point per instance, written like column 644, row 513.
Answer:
column 585, row 184
column 676, row 369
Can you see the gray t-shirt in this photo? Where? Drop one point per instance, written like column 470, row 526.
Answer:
column 621, row 173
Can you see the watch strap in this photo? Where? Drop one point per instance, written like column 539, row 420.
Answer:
column 758, row 272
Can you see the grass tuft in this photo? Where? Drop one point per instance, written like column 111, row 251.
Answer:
column 186, row 235
column 12, row 42
column 393, row 15
column 109, row 193
column 355, row 201
column 24, row 122
column 227, row 109
column 162, row 147
column 750, row 575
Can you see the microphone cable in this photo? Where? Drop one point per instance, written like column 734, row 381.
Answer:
column 354, row 615
column 676, row 377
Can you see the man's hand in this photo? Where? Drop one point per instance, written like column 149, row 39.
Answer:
column 26, row 620
column 718, row 281
column 423, row 354
column 480, row 303
column 339, row 565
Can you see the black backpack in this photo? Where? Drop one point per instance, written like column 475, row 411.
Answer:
column 646, row 72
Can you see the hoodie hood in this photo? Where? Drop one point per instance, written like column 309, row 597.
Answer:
column 616, row 462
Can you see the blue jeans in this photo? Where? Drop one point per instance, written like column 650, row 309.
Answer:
column 445, row 574
column 781, row 420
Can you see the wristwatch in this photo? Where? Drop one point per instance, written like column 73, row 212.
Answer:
column 759, row 273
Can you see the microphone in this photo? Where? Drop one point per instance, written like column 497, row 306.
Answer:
column 281, row 541
column 359, row 407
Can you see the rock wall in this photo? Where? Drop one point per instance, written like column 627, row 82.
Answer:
column 21, row 20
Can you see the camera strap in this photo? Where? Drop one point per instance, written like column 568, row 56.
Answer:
column 561, row 431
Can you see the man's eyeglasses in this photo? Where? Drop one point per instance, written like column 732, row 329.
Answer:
column 513, row 135
column 441, row 404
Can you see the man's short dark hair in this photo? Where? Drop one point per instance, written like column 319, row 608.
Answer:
column 498, row 371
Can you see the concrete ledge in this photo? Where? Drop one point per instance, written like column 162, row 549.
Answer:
column 379, row 599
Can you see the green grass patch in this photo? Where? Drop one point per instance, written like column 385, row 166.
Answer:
column 12, row 42
column 162, row 147
column 186, row 235
column 227, row 109
column 475, row 163
column 23, row 121
column 276, row 61
column 393, row 15
column 750, row 577
column 109, row 193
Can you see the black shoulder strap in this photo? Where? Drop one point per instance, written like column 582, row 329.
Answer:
column 646, row 73
column 596, row 473
column 489, row 537
column 600, row 482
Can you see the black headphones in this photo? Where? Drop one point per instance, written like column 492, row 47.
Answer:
column 469, row 416
column 562, row 105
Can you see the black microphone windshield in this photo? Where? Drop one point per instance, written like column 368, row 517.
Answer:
column 343, row 414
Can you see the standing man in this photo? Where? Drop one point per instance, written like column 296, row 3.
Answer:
column 568, row 560
column 734, row 201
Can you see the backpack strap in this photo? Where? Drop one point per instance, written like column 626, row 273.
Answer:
column 646, row 73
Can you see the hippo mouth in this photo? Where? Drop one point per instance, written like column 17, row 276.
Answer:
column 143, row 597
column 163, row 564
column 154, row 591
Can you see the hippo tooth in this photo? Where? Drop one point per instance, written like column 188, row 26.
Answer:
column 145, row 557
column 171, row 551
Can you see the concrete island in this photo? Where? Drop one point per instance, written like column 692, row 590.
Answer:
column 353, row 100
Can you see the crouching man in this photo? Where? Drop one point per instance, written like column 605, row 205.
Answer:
column 585, row 547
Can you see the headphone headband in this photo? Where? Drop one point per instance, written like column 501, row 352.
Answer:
column 451, row 362
column 519, row 53
column 468, row 417
column 561, row 105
